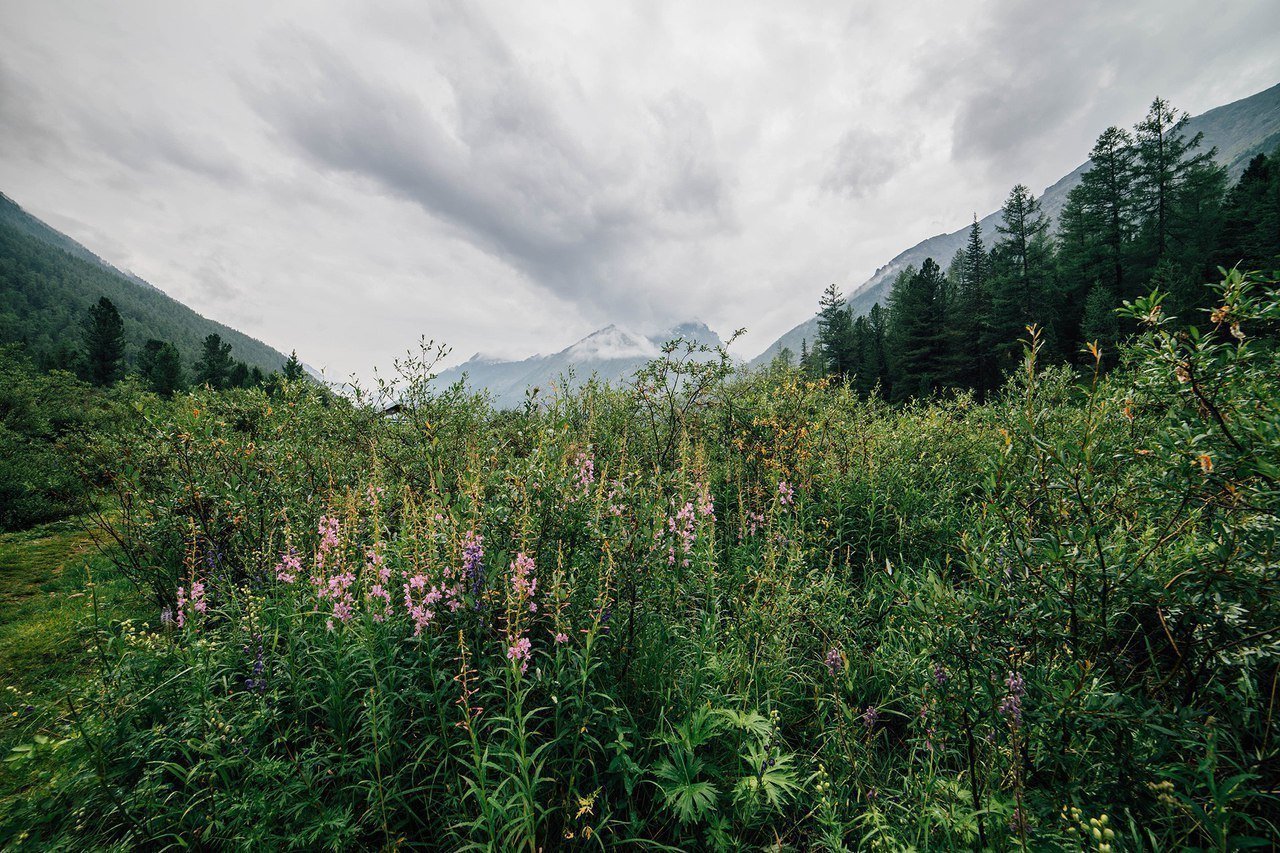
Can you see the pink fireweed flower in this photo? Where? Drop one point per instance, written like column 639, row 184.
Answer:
column 198, row 603
column 786, row 494
column 561, row 638
column 379, row 602
column 615, row 508
column 586, row 473
column 521, row 650
column 420, row 604
column 523, row 583
column 190, row 598
column 682, row 526
column 338, row 593
column 328, row 530
column 706, row 506
column 289, row 567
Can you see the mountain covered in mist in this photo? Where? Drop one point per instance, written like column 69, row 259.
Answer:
column 611, row 355
column 1238, row 131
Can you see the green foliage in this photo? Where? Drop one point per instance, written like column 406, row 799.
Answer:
column 160, row 366
column 44, row 419
column 104, row 343
column 712, row 610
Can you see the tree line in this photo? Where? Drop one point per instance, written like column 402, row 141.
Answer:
column 102, row 361
column 1153, row 210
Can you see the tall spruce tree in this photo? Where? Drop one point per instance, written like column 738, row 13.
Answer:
column 918, row 311
column 215, row 364
column 878, row 324
column 834, row 347
column 160, row 365
column 293, row 370
column 1021, row 275
column 1166, row 158
column 104, row 343
column 970, row 316
column 1250, row 233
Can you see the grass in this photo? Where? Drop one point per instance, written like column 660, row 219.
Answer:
column 48, row 575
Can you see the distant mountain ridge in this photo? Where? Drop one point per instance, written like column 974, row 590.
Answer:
column 1239, row 130
column 612, row 355
column 48, row 281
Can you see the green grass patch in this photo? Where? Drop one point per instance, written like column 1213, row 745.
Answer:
column 49, row 575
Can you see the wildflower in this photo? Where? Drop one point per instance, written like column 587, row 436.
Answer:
column 834, row 661
column 473, row 562
column 1011, row 705
column 328, row 530
column 870, row 717
column 561, row 638
column 586, row 473
column 289, row 567
column 939, row 676
column 420, row 608
column 523, row 583
column 378, row 593
column 521, row 650
column 198, row 603
column 706, row 506
column 786, row 494
column 682, row 526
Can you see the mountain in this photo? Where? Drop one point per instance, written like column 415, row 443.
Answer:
column 612, row 355
column 48, row 281
column 1238, row 130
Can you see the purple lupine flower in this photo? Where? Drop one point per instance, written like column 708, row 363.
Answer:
column 870, row 717
column 473, row 562
column 1011, row 705
column 939, row 676
column 834, row 661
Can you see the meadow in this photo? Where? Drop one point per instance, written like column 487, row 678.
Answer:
column 711, row 610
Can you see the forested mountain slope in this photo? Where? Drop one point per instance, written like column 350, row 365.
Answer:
column 48, row 282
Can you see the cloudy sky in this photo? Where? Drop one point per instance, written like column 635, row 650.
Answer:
column 344, row 178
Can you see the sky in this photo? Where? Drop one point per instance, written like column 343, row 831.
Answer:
column 344, row 179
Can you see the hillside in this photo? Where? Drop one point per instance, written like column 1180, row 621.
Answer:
column 1238, row 130
column 611, row 355
column 48, row 281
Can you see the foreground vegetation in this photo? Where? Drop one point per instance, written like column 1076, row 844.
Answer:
column 709, row 611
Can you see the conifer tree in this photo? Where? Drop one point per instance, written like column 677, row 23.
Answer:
column 1021, row 274
column 1250, row 233
column 835, row 334
column 214, row 367
column 1165, row 159
column 293, row 370
column 969, row 317
column 104, row 343
column 1100, row 324
column 919, row 333
column 160, row 365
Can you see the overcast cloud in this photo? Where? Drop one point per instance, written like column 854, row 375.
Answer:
column 343, row 178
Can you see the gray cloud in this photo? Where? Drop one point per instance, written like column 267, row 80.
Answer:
column 865, row 160
column 501, row 163
column 343, row 178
